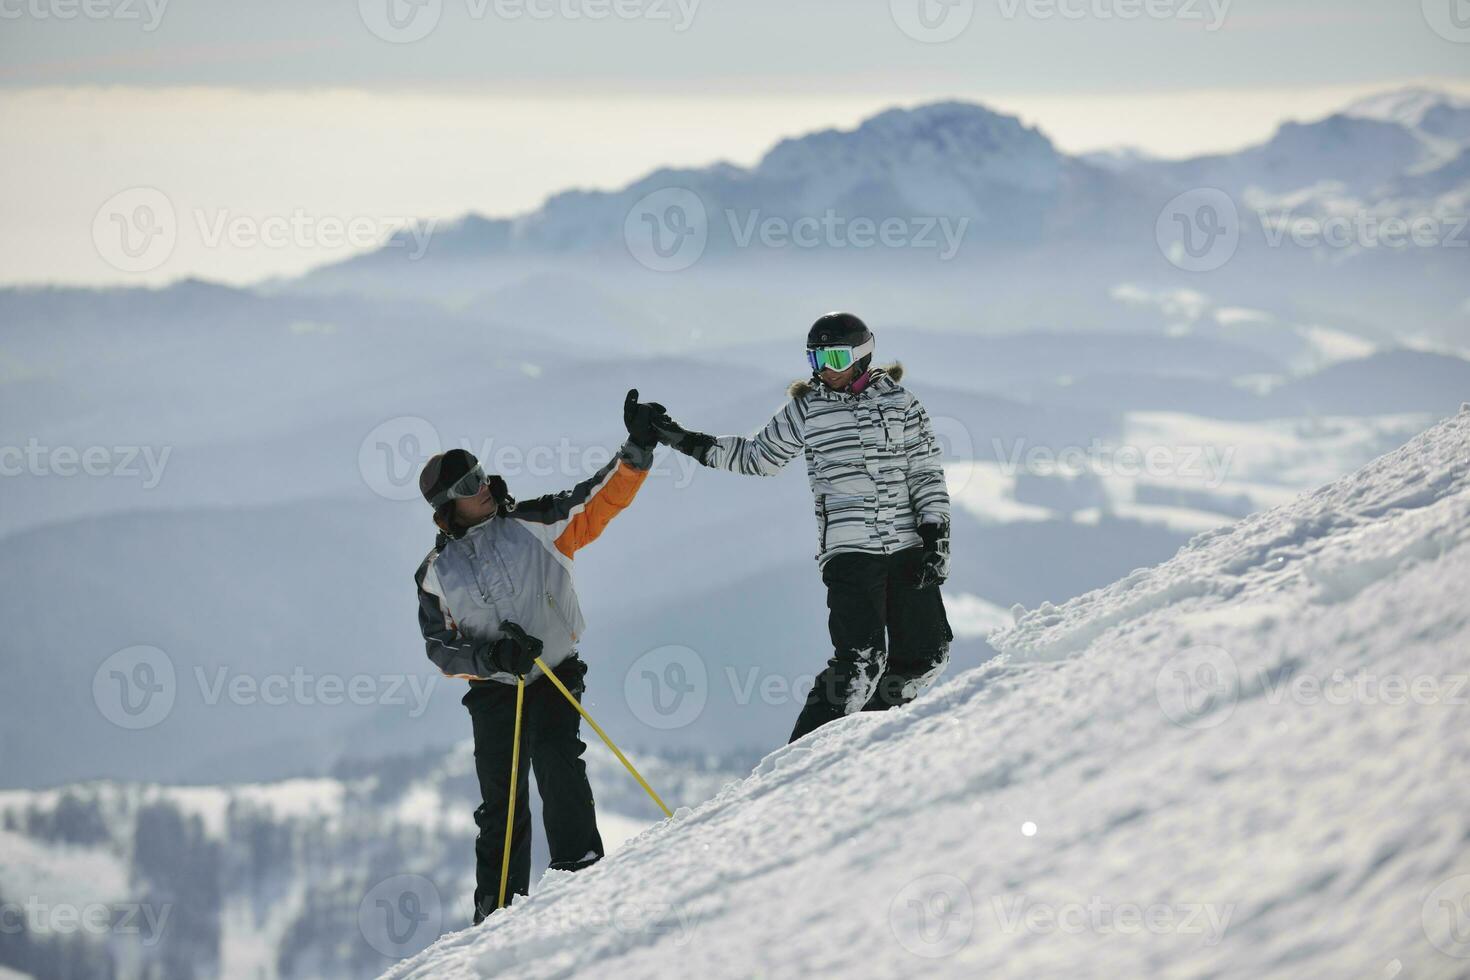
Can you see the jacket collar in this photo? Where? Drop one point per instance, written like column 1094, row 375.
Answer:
column 880, row 379
column 877, row 383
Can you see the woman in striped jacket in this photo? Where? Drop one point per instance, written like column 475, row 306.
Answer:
column 882, row 514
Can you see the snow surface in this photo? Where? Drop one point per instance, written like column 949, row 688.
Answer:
column 1248, row 761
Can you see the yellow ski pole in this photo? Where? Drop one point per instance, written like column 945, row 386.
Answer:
column 598, row 729
column 515, row 766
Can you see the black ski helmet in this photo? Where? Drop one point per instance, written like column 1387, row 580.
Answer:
column 840, row 330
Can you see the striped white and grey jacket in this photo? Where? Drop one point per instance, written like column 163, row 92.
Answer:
column 872, row 459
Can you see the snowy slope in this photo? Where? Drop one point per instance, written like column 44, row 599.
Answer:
column 1248, row 761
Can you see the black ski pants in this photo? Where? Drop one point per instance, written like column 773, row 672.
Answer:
column 551, row 745
column 890, row 640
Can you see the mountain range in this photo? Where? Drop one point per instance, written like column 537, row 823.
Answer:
column 1023, row 217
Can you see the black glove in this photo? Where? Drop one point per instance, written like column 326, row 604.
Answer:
column 639, row 417
column 516, row 651
column 934, row 567
column 675, row 436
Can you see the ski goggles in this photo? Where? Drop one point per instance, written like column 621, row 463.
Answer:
column 466, row 486
column 837, row 358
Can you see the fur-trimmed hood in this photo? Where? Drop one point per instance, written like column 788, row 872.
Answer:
column 805, row 386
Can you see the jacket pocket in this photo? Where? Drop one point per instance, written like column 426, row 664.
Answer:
column 847, row 519
column 893, row 429
column 846, row 477
column 492, row 574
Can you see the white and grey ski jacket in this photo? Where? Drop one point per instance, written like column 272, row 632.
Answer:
column 517, row 566
column 871, row 457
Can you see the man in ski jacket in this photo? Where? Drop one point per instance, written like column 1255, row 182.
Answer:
column 495, row 594
column 882, row 512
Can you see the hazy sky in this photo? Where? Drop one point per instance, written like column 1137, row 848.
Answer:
column 660, row 45
column 384, row 109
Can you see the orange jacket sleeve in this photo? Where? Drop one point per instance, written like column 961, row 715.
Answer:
column 574, row 518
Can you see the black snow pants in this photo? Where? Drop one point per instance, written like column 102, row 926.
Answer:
column 890, row 640
column 551, row 745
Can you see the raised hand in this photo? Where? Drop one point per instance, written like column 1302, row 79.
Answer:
column 640, row 419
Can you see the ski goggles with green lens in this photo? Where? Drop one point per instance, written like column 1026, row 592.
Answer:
column 837, row 358
column 466, row 486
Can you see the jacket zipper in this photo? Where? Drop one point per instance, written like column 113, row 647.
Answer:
column 556, row 608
